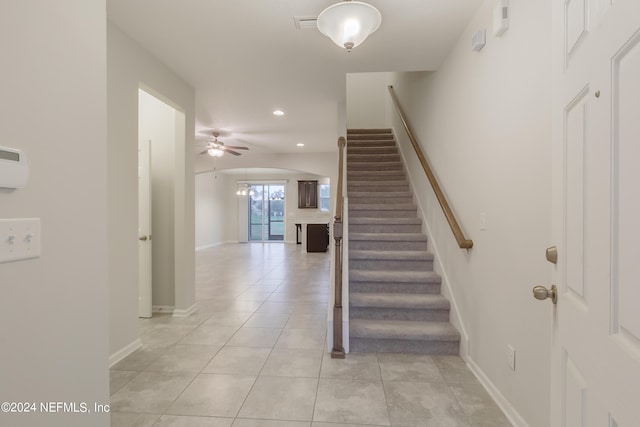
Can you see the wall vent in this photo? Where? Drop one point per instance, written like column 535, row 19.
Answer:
column 305, row 22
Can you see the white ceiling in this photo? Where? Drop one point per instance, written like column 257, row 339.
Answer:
column 245, row 58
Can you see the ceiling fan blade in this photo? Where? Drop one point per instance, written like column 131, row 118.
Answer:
column 204, row 152
column 235, row 153
column 237, row 148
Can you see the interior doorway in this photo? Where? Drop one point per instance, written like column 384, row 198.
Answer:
column 160, row 129
column 266, row 212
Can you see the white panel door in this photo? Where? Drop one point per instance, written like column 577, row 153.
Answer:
column 144, row 229
column 596, row 197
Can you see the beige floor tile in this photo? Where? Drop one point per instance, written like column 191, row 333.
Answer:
column 185, row 357
column 351, row 401
column 118, row 379
column 355, row 366
column 255, row 337
column 454, row 370
column 267, row 320
column 244, row 422
column 121, row 419
column 479, row 406
column 182, row 421
column 293, row 362
column 213, row 395
column 227, row 318
column 302, row 338
column 238, row 360
column 142, row 357
column 409, row 367
column 423, row 404
column 209, row 335
column 280, row 398
column 150, row 392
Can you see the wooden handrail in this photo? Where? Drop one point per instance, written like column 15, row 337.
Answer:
column 337, row 352
column 463, row 242
column 339, row 198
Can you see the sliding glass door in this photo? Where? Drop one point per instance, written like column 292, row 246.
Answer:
column 266, row 212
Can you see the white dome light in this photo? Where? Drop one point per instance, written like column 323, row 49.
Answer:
column 349, row 23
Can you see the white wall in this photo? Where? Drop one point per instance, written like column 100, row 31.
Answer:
column 366, row 100
column 129, row 68
column 212, row 211
column 484, row 122
column 53, row 310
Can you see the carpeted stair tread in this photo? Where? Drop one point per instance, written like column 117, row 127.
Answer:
column 400, row 301
column 391, row 255
column 385, row 221
column 389, row 194
column 394, row 276
column 403, row 330
column 359, row 131
column 388, row 237
column 383, row 207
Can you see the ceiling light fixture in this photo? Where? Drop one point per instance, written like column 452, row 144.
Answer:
column 215, row 152
column 349, row 23
column 300, row 144
column 278, row 113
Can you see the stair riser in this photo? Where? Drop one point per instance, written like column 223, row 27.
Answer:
column 390, row 265
column 371, row 150
column 382, row 214
column 385, row 228
column 382, row 178
column 394, row 288
column 370, row 137
column 360, row 186
column 376, row 245
column 368, row 158
column 378, row 313
column 436, row 348
column 381, row 200
column 374, row 166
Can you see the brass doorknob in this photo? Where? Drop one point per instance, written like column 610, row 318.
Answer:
column 143, row 238
column 542, row 293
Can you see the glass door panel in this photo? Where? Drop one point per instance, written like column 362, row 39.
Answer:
column 266, row 212
column 276, row 212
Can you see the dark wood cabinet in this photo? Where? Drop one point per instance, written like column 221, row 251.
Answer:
column 307, row 194
column 317, row 237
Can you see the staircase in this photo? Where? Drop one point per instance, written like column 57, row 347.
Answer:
column 395, row 301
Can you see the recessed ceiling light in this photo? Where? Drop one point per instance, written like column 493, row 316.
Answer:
column 278, row 113
column 300, row 144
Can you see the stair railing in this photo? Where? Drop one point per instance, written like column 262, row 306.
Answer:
column 337, row 352
column 463, row 242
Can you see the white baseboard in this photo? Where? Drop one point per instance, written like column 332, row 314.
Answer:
column 509, row 411
column 124, row 352
column 185, row 313
column 162, row 309
column 213, row 245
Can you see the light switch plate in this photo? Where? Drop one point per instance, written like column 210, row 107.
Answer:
column 19, row 239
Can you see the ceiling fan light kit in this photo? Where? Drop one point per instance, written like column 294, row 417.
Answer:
column 215, row 152
column 217, row 148
column 349, row 23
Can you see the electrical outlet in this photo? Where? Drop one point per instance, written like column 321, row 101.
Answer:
column 511, row 357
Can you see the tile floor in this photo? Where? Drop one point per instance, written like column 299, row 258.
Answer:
column 254, row 355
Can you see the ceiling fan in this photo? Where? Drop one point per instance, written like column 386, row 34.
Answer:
column 217, row 148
